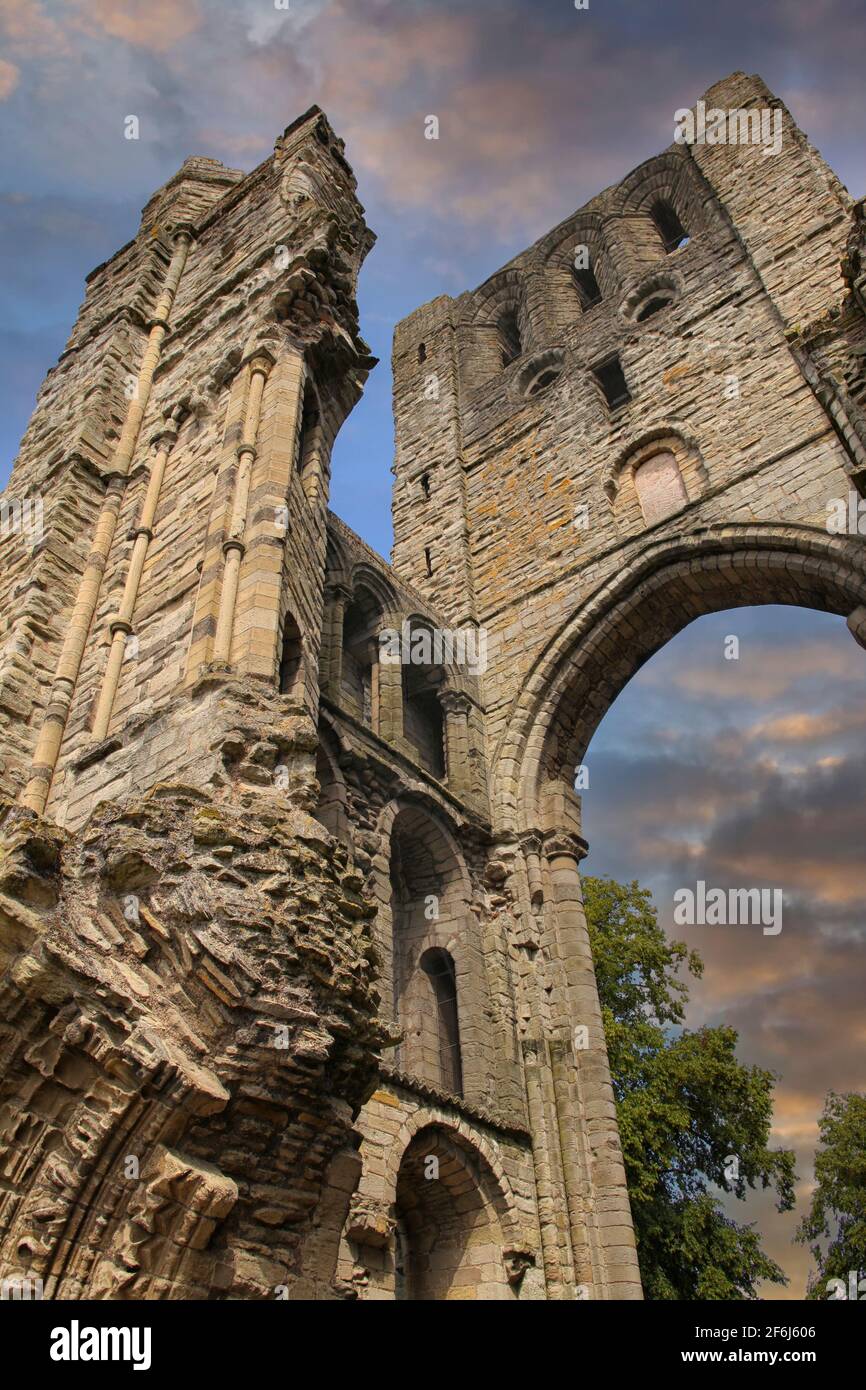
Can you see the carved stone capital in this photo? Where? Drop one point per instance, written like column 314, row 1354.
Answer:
column 183, row 231
column 263, row 361
column 530, row 842
column 335, row 591
column 559, row 843
column 454, row 702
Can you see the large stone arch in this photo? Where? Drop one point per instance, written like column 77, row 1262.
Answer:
column 591, row 658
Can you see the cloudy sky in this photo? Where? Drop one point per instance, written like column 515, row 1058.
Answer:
column 749, row 773
column 703, row 767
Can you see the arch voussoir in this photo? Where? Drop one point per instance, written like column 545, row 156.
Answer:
column 618, row 627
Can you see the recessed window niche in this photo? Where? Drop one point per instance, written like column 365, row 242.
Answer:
column 654, row 480
column 659, row 486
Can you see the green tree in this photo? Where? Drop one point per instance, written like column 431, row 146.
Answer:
column 835, row 1227
column 691, row 1117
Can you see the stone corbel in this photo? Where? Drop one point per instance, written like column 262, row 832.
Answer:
column 369, row 1223
column 517, row 1260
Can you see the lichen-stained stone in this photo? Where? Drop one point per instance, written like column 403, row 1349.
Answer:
column 181, row 1056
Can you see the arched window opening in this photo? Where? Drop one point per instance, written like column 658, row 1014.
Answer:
column 588, row 288
column 659, row 486
column 422, row 352
column 360, row 634
column 439, row 969
column 423, row 723
column 543, row 380
column 291, row 659
column 309, row 430
column 654, row 306
column 611, row 379
column 425, row 486
column 668, row 225
column 428, row 913
column 510, row 343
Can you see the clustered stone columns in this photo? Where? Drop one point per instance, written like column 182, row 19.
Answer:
column 121, row 625
column 233, row 546
column 583, row 1206
column 599, row 1212
column 455, row 708
column 267, row 595
column 51, row 734
column 559, row 1273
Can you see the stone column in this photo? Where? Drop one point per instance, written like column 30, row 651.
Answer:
column 337, row 599
column 233, row 546
column 66, row 676
column 530, row 843
column 264, row 588
column 120, row 625
column 583, row 1087
column 387, row 679
column 455, row 709
column 558, row 1269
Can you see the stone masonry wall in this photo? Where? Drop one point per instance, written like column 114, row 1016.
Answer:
column 547, row 519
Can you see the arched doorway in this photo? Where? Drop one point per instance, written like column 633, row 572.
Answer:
column 450, row 1242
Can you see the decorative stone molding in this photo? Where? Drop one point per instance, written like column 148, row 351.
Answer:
column 655, row 292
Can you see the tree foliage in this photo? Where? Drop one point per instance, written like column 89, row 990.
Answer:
column 691, row 1116
column 835, row 1226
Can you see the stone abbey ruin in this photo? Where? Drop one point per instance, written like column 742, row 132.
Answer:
column 297, row 997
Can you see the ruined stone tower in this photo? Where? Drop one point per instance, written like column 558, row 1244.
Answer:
column 296, row 996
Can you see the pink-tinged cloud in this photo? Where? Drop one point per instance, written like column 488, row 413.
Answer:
column 9, row 76
column 807, row 727
column 156, row 25
column 29, row 31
